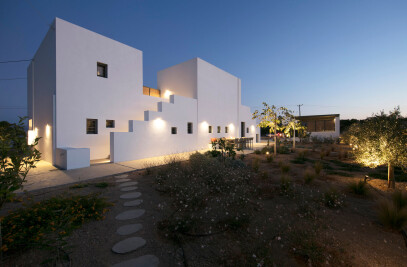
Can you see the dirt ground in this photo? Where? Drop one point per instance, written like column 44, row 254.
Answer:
column 350, row 235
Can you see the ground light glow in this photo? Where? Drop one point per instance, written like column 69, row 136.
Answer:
column 167, row 94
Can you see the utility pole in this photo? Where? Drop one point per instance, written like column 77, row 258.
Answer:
column 299, row 109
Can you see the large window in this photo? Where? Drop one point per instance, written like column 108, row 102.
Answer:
column 151, row 91
column 102, row 70
column 91, row 126
column 320, row 125
column 190, row 128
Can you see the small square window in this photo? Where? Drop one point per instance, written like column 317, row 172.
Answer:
column 190, row 128
column 109, row 123
column 226, row 129
column 247, row 130
column 91, row 126
column 210, row 129
column 218, row 129
column 102, row 70
column 173, row 130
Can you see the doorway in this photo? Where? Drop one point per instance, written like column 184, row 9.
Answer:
column 242, row 129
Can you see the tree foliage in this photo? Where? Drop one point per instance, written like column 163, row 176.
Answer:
column 17, row 157
column 380, row 139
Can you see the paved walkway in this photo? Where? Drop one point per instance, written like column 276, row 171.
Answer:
column 46, row 175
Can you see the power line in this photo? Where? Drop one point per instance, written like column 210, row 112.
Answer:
column 13, row 107
column 15, row 61
column 11, row 79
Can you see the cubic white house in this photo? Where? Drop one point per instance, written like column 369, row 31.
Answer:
column 87, row 101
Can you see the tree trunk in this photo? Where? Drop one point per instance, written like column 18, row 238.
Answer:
column 391, row 182
column 294, row 139
column 275, row 139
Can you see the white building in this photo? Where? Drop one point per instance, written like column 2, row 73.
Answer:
column 87, row 101
column 322, row 126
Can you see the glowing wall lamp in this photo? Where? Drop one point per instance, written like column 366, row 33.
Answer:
column 167, row 94
column 47, row 131
column 32, row 134
column 159, row 123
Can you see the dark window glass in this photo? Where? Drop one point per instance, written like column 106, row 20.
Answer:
column 330, row 125
column 226, row 129
column 91, row 126
column 109, row 123
column 102, row 70
column 173, row 130
column 218, row 129
column 210, row 129
column 247, row 130
column 190, row 127
column 319, row 126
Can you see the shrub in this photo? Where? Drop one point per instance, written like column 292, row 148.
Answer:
column 308, row 177
column 77, row 186
column 101, row 185
column 285, row 184
column 213, row 153
column 269, row 158
column 264, row 175
column 327, row 152
column 391, row 215
column 46, row 223
column 283, row 150
column 333, row 199
column 266, row 149
column 242, row 156
column 257, row 152
column 255, row 164
column 300, row 157
column 318, row 167
column 399, row 199
column 285, row 168
column 322, row 154
column 358, row 188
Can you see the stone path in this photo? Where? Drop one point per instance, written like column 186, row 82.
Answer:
column 131, row 243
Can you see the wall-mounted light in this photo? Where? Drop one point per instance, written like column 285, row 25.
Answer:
column 32, row 134
column 158, row 123
column 47, row 131
column 167, row 94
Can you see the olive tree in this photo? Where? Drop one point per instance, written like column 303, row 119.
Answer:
column 270, row 116
column 290, row 123
column 381, row 140
column 17, row 157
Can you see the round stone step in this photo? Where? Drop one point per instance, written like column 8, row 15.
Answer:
column 143, row 261
column 121, row 176
column 130, row 214
column 129, row 244
column 128, row 184
column 130, row 195
column 129, row 188
column 129, row 229
column 122, row 180
column 133, row 203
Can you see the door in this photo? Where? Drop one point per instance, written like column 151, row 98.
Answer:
column 242, row 129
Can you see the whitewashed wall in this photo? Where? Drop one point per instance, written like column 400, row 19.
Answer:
column 41, row 84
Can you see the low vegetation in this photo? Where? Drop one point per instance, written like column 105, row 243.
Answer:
column 393, row 213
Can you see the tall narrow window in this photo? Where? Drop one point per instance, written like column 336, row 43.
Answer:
column 247, row 130
column 91, row 126
column 226, row 129
column 218, row 129
column 210, row 129
column 109, row 123
column 173, row 130
column 190, row 127
column 102, row 70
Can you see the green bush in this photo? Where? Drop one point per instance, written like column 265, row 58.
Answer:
column 213, row 153
column 46, row 223
column 257, row 152
column 242, row 156
column 255, row 164
column 308, row 177
column 285, row 168
column 78, row 186
column 283, row 150
column 358, row 188
column 285, row 184
column 266, row 149
column 269, row 158
column 318, row 167
column 101, row 185
column 393, row 214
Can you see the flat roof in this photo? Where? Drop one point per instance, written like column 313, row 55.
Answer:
column 326, row 116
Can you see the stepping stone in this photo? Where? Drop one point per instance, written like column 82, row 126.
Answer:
column 133, row 203
column 143, row 261
column 130, row 188
column 130, row 214
column 129, row 229
column 131, row 195
column 128, row 245
column 122, row 180
column 122, row 176
column 128, row 184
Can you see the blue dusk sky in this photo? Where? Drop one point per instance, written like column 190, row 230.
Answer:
column 346, row 57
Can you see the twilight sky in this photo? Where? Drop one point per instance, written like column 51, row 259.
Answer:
column 347, row 57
